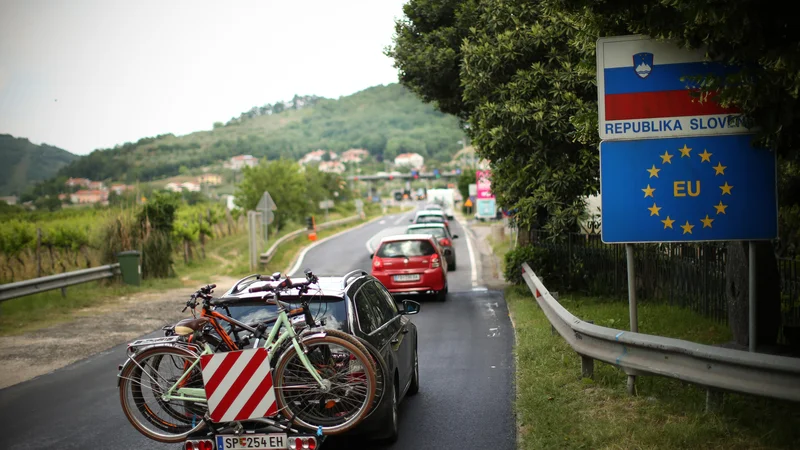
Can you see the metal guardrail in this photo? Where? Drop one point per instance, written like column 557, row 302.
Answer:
column 267, row 256
column 58, row 281
column 718, row 369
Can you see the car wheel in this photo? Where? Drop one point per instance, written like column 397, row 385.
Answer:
column 414, row 387
column 391, row 421
column 442, row 295
column 452, row 266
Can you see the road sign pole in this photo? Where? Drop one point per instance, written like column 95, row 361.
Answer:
column 752, row 295
column 633, row 311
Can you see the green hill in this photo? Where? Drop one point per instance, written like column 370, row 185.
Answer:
column 25, row 163
column 386, row 120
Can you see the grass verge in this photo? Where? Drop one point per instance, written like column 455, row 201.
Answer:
column 556, row 408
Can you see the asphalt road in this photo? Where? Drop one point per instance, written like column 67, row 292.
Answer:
column 466, row 372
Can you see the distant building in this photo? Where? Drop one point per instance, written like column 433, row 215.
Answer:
column 120, row 188
column 191, row 187
column 11, row 199
column 355, row 155
column 413, row 160
column 173, row 187
column 332, row 167
column 96, row 185
column 316, row 156
column 209, row 178
column 73, row 182
column 86, row 196
column 241, row 161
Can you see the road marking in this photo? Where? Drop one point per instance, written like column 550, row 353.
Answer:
column 472, row 261
column 302, row 256
column 400, row 219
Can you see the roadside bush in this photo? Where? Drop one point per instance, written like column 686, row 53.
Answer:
column 542, row 260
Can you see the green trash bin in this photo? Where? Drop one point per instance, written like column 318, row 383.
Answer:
column 130, row 267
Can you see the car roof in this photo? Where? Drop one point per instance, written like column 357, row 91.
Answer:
column 406, row 237
column 430, row 212
column 426, row 225
column 433, row 206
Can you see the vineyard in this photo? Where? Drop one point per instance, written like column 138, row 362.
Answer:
column 38, row 244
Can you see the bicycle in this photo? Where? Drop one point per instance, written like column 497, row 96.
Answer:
column 323, row 381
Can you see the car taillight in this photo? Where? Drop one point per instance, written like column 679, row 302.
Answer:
column 377, row 263
column 435, row 262
column 306, row 443
column 199, row 445
column 445, row 242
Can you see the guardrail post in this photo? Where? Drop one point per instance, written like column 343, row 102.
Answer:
column 714, row 399
column 631, row 384
column 64, row 292
column 587, row 367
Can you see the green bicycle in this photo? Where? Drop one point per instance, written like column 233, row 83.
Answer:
column 323, row 380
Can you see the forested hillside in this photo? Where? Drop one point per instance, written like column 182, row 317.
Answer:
column 24, row 163
column 386, row 120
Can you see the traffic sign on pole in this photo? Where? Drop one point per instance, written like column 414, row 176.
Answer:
column 644, row 89
column 687, row 189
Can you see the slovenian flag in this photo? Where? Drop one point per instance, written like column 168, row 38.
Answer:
column 648, row 85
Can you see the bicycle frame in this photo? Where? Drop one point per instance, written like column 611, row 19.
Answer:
column 176, row 392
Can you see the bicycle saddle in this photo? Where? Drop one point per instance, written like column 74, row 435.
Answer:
column 189, row 326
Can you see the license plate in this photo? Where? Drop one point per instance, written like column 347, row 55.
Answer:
column 252, row 441
column 412, row 277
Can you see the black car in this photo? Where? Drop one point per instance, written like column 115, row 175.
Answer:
column 360, row 305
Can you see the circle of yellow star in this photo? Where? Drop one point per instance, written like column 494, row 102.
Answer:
column 654, row 210
column 648, row 191
column 705, row 156
column 719, row 169
column 707, row 221
column 687, row 228
column 726, row 188
column 666, row 158
column 684, row 151
column 653, row 171
column 720, row 208
column 667, row 222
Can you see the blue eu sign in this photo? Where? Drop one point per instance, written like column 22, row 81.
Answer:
column 687, row 189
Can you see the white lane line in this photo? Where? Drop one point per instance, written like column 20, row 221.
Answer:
column 299, row 262
column 472, row 261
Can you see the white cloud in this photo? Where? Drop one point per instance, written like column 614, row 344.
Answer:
column 91, row 74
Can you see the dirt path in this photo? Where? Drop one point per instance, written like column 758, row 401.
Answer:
column 94, row 330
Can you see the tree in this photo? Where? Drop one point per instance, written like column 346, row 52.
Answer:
column 522, row 76
column 285, row 183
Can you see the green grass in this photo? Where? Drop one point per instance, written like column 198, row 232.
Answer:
column 558, row 409
column 500, row 247
column 225, row 256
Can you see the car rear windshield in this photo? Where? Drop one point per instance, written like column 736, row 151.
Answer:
column 436, row 231
column 399, row 249
column 430, row 219
column 331, row 309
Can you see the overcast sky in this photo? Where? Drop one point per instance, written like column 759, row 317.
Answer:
column 88, row 74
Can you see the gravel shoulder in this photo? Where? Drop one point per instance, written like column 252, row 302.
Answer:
column 94, row 330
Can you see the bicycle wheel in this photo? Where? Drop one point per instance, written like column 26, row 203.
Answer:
column 142, row 384
column 349, row 373
column 375, row 367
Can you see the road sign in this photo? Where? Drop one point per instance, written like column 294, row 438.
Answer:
column 484, row 184
column 486, row 208
column 473, row 190
column 687, row 189
column 326, row 204
column 238, row 385
column 458, row 171
column 468, row 203
column 641, row 94
column 266, row 203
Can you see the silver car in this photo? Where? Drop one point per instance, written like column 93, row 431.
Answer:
column 442, row 234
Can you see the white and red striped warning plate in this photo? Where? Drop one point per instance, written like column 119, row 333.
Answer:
column 238, row 385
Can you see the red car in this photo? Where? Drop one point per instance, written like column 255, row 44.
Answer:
column 411, row 264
